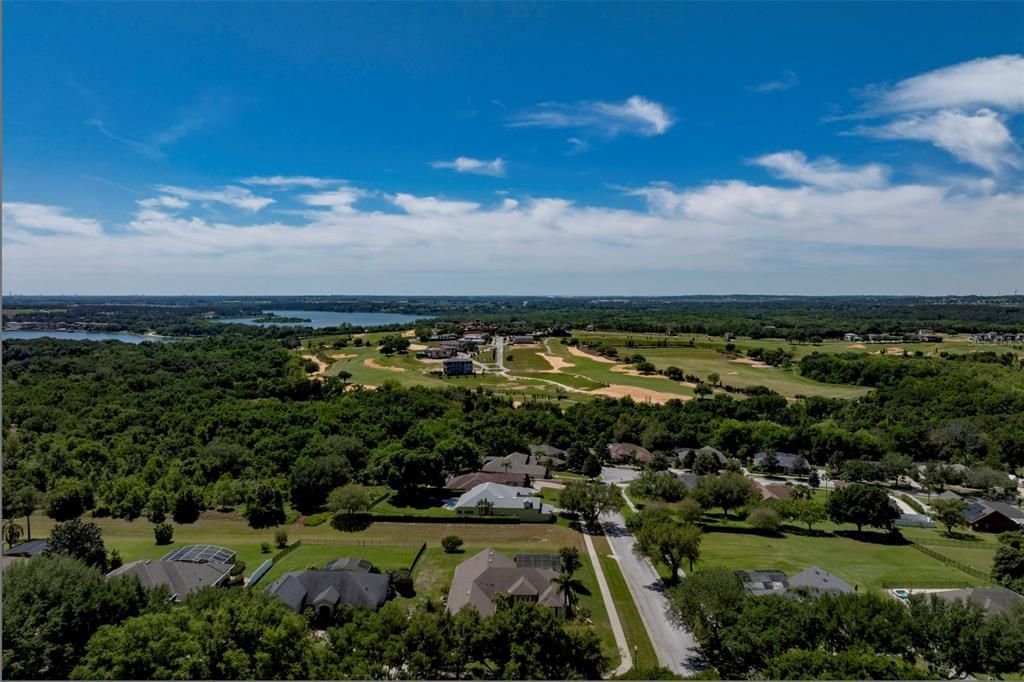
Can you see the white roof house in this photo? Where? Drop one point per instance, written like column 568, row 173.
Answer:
column 503, row 498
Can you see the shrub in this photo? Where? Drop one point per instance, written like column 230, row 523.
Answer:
column 114, row 561
column 281, row 538
column 401, row 582
column 764, row 519
column 265, row 547
column 164, row 533
column 451, row 543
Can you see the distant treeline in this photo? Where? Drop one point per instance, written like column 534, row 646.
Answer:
column 233, row 421
column 796, row 318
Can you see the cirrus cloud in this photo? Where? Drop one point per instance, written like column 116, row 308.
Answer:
column 634, row 116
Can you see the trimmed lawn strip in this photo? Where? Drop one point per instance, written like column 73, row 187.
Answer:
column 632, row 624
column 305, row 556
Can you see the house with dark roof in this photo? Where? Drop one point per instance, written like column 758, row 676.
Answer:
column 788, row 463
column 993, row 517
column 473, row 479
column 681, row 453
column 350, row 563
column 27, row 549
column 181, row 578
column 774, row 491
column 629, row 453
column 326, row 591
column 518, row 463
column 813, row 579
column 689, row 480
column 548, row 455
column 994, row 600
column 479, row 579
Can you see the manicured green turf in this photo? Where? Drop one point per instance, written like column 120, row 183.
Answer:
column 862, row 563
column 311, row 555
column 427, row 503
column 525, row 359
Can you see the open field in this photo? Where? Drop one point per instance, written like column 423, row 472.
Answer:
column 865, row 564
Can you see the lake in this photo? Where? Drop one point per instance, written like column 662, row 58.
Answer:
column 324, row 318
column 79, row 336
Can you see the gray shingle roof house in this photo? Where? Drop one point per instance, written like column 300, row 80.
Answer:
column 812, row 579
column 995, row 517
column 548, row 454
column 27, row 549
column 478, row 579
column 629, row 453
column 349, row 563
column 325, row 591
column 994, row 600
column 682, row 452
column 689, row 480
column 182, row 578
column 788, row 462
column 816, row 579
column 518, row 463
column 505, row 500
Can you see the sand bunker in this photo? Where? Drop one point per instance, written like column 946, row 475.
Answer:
column 633, row 372
column 644, row 395
column 573, row 350
column 856, row 345
column 751, row 362
column 370, row 362
column 343, row 356
column 894, row 351
column 408, row 333
column 321, row 366
column 416, row 347
column 557, row 363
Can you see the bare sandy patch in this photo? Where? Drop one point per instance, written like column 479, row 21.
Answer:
column 751, row 362
column 408, row 333
column 894, row 351
column 573, row 350
column 343, row 356
column 732, row 373
column 557, row 363
column 321, row 366
column 856, row 345
column 633, row 372
column 370, row 362
column 416, row 347
column 644, row 395
column 517, row 403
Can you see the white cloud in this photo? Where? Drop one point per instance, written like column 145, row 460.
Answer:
column 981, row 138
column 465, row 164
column 577, row 145
column 237, row 197
column 289, row 181
column 339, row 201
column 789, row 80
column 636, row 115
column 991, row 81
column 50, row 219
column 163, row 202
column 432, row 206
column 823, row 172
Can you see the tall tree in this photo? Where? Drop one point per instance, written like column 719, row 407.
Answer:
column 950, row 513
column 81, row 540
column 862, row 505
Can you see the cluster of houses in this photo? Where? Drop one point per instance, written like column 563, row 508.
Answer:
column 921, row 336
column 996, row 337
column 502, row 485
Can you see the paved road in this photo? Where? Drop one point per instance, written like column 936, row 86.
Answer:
column 676, row 648
column 625, row 657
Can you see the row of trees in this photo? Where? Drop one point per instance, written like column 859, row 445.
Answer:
column 842, row 636
column 63, row 619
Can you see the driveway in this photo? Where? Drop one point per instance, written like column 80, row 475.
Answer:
column 676, row 648
column 618, row 474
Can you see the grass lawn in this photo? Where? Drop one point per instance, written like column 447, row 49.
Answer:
column 525, row 359
column 862, row 563
column 304, row 556
column 424, row 503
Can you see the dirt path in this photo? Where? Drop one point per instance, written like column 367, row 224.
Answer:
column 573, row 350
column 645, row 395
column 370, row 362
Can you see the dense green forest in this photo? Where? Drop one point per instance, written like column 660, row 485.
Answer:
column 790, row 317
column 220, row 422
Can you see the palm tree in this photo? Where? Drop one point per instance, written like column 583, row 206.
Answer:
column 570, row 588
column 484, row 507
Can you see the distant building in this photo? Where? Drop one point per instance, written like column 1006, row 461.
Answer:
column 993, row 517
column 716, row 453
column 503, row 500
column 812, row 579
column 455, row 367
column 522, row 339
column 994, row 600
column 549, row 455
column 518, row 463
column 437, row 352
column 788, row 463
column 478, row 580
column 851, row 337
column 471, row 480
column 629, row 453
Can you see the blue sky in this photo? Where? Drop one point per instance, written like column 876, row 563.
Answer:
column 572, row 148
